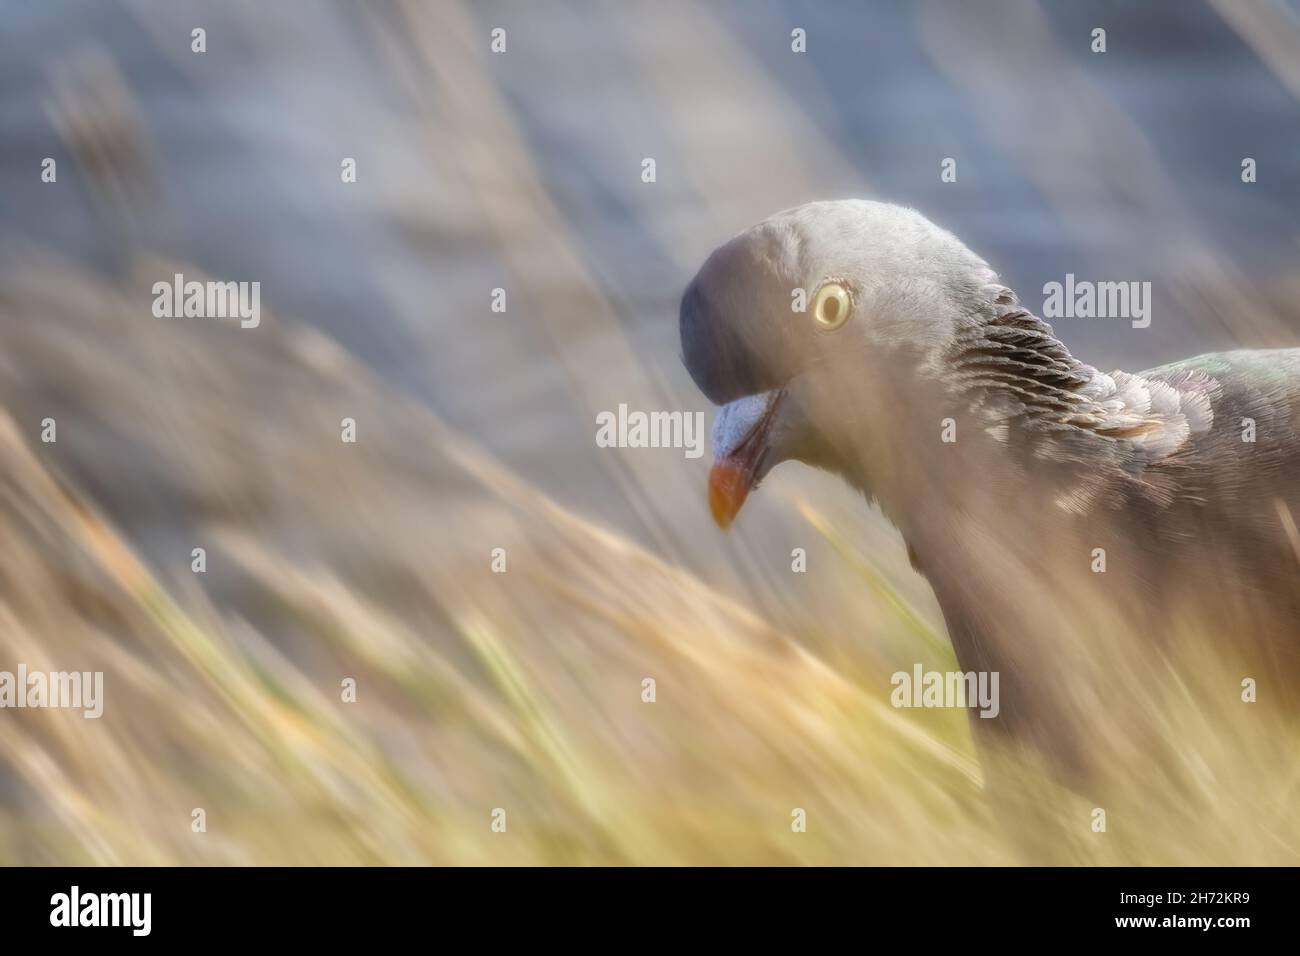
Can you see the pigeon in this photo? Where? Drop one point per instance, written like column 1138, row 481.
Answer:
column 1084, row 532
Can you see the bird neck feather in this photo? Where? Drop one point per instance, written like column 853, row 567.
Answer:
column 1015, row 367
column 1017, row 375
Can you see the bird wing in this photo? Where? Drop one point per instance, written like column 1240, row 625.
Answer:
column 1255, row 401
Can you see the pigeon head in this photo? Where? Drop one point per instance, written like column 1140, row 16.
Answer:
column 817, row 330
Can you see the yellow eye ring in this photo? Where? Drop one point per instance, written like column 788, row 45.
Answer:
column 831, row 306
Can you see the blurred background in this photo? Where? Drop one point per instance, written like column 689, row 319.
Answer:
column 475, row 430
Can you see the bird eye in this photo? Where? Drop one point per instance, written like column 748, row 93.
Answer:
column 832, row 306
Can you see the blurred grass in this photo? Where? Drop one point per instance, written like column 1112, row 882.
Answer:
column 530, row 701
column 251, row 723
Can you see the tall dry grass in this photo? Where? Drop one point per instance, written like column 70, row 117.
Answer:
column 476, row 690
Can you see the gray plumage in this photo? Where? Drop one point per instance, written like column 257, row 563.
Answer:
column 1053, row 462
